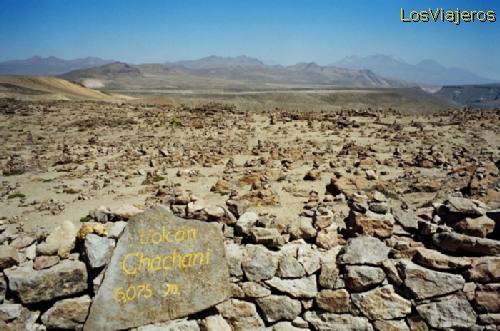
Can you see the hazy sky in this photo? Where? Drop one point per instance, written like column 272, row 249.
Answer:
column 283, row 31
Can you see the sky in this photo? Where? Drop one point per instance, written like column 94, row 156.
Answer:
column 277, row 31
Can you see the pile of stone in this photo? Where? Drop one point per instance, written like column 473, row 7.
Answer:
column 369, row 264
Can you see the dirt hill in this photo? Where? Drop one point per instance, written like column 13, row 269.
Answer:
column 49, row 88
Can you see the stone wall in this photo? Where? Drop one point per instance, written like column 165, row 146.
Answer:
column 380, row 267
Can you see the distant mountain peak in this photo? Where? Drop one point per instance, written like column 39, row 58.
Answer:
column 51, row 65
column 427, row 72
column 215, row 62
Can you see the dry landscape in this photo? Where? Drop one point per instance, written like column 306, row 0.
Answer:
column 336, row 214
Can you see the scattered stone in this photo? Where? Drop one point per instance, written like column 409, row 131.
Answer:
column 255, row 290
column 60, row 241
column 382, row 303
column 215, row 323
column 361, row 278
column 68, row 314
column 10, row 311
column 116, row 229
column 489, row 319
column 175, row 325
column 297, row 288
column 92, row 227
column 478, row 227
column 390, row 325
column 372, row 224
column 433, row 259
column 484, row 270
column 453, row 311
column 364, row 250
column 289, row 267
column 425, row 283
column 44, row 261
column 259, row 263
column 459, row 208
column 269, row 237
column 241, row 315
column 407, row 219
column 302, row 228
column 286, row 326
column 454, row 242
column 8, row 257
column 337, row 322
column 334, row 301
column 3, row 287
column 30, row 252
column 279, row 307
column 98, row 250
column 486, row 298
column 234, row 254
column 246, row 222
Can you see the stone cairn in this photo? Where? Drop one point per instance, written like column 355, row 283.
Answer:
column 381, row 267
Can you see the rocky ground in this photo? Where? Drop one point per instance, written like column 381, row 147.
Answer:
column 358, row 219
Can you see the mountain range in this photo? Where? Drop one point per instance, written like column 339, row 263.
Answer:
column 427, row 72
column 245, row 72
column 227, row 72
column 48, row 65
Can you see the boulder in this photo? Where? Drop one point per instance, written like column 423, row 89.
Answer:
column 63, row 279
column 163, row 268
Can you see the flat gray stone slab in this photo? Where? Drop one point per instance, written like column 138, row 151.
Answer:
column 162, row 268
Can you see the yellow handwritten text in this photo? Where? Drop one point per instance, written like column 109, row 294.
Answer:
column 136, row 262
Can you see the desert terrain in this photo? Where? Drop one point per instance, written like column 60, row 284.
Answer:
column 324, row 173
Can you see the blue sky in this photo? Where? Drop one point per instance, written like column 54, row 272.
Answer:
column 282, row 31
